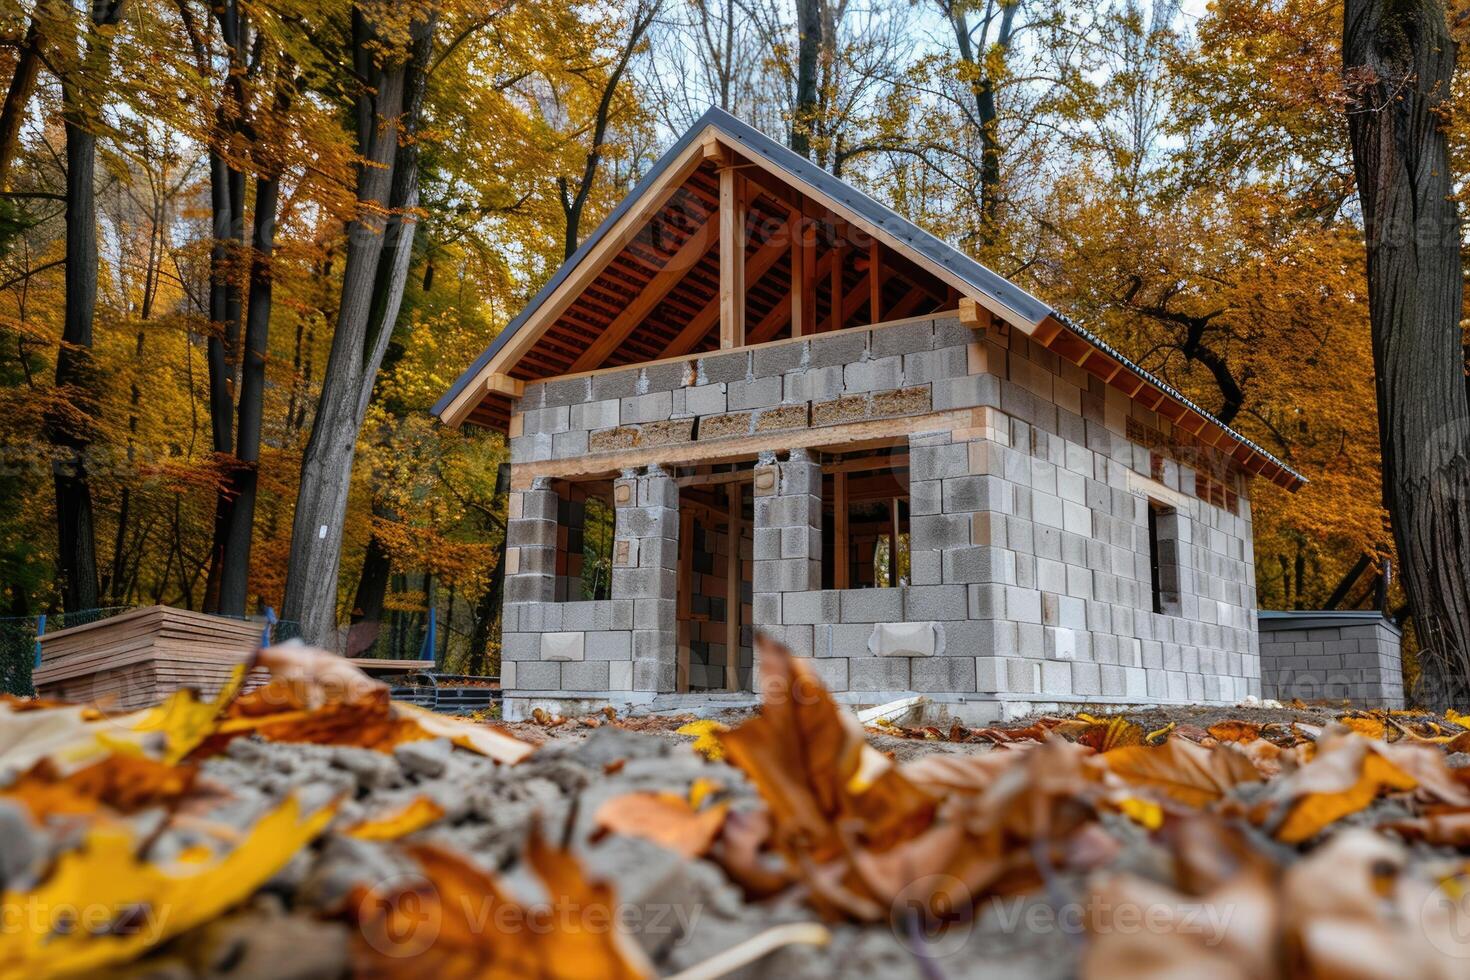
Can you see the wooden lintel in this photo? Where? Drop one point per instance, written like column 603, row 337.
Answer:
column 847, row 438
column 973, row 315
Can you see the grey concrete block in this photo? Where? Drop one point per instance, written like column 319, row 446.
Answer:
column 840, row 350
column 943, row 674
column 652, row 407
column 904, row 640
column 757, row 393
column 585, row 677
column 714, row 368
column 938, row 462
column 1056, row 678
column 654, row 675
column 811, row 607
column 877, row 375
column 602, row 414
column 706, row 399
column 609, row 645
column 832, row 672
column 903, row 338
column 935, row 602
column 970, row 391
column 878, row 674
column 538, row 675
column 778, row 359
column 617, row 384
column 934, row 365
column 872, row 605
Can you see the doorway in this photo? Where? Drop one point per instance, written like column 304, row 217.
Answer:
column 714, row 597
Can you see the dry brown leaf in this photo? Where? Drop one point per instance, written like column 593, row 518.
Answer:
column 1233, row 730
column 667, row 819
column 1188, row 773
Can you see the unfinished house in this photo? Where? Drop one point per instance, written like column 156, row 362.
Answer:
column 757, row 401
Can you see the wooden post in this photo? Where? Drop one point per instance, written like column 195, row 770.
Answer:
column 808, row 274
column 839, row 531
column 795, row 227
column 735, row 495
column 875, row 285
column 839, row 251
column 893, row 542
column 732, row 258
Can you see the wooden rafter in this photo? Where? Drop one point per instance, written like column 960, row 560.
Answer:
column 756, row 266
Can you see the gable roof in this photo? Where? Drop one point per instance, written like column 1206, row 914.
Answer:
column 999, row 295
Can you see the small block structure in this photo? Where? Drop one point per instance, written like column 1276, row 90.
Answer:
column 1332, row 655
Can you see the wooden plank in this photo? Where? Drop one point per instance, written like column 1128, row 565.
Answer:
column 690, row 254
column 735, row 492
column 732, row 259
column 840, row 560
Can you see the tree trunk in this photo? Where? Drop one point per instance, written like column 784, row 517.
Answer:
column 372, row 288
column 982, row 90
column 1399, row 61
column 372, row 586
column 244, row 475
column 18, row 98
column 227, row 210
column 808, row 46
column 69, row 422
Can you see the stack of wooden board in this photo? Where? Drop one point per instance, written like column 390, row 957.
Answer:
column 139, row 657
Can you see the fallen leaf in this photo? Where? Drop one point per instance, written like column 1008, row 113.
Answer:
column 1347, row 773
column 706, row 742
column 458, row 921
column 122, row 782
column 666, row 819
column 1188, row 773
column 417, row 814
column 101, row 905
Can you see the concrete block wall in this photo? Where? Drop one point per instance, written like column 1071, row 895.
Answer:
column 1030, row 573
column 1354, row 656
column 626, row 643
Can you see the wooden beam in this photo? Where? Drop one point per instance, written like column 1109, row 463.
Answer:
column 796, row 229
column 735, row 493
column 689, row 255
column 875, row 284
column 758, row 265
column 835, row 318
column 504, row 384
column 840, row 560
column 809, row 273
column 732, row 258
column 972, row 314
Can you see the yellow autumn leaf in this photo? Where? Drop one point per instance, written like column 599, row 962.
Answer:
column 102, row 905
column 1145, row 813
column 705, row 741
column 416, row 815
column 486, row 740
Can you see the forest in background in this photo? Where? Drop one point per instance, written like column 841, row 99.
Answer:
column 1176, row 178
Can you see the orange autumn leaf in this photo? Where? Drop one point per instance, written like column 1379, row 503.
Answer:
column 804, row 754
column 122, row 782
column 1347, row 773
column 457, row 921
column 1187, row 773
column 1448, row 828
column 666, row 819
column 1234, row 731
